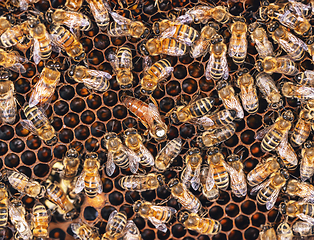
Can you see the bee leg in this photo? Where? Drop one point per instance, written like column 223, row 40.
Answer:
column 164, row 201
column 203, row 212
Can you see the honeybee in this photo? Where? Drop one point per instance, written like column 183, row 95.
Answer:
column 216, row 135
column 126, row 27
column 229, row 99
column 181, row 32
column 141, row 183
column 122, row 65
column 156, row 73
column 303, row 228
column 157, row 215
column 293, row 90
column 269, row 190
column 282, row 65
column 167, row 154
column 68, row 42
column 71, row 19
column 217, row 66
column 270, row 92
column 8, row 108
column 71, row 163
column 292, row 45
column 301, row 189
column 131, row 232
column 209, row 188
column 238, row 42
column 4, row 204
column 89, row 180
column 119, row 154
column 267, row 232
column 13, row 35
column 100, row 10
column 133, row 140
column 40, row 220
column 262, row 170
column 115, row 226
column 191, row 173
column 300, row 209
column 93, row 79
column 17, row 214
column 310, row 46
column 149, row 116
column 287, row 154
column 23, row 4
column 284, row 231
column 302, row 129
column 274, row 134
column 307, row 161
column 259, row 37
column 38, row 123
column 23, row 184
column 234, row 167
column 12, row 60
column 248, row 93
column 188, row 112
column 73, row 5
column 309, row 106
column 194, row 222
column 56, row 195
column 83, row 231
column 305, row 78
column 4, row 24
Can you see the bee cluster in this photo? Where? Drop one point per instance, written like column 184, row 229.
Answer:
column 144, row 120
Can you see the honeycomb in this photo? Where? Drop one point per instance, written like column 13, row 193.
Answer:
column 81, row 116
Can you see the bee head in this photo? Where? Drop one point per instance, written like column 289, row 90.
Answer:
column 80, row 57
column 221, row 85
column 72, row 70
column 259, row 65
column 142, row 48
column 212, row 151
column 70, row 215
column 52, row 141
column 233, row 158
column 242, row 71
column 193, row 151
column 129, row 131
column 308, row 33
column 299, row 77
column 288, row 115
column 174, row 117
column 183, row 216
column 161, row 179
column 253, row 26
column 5, row 74
column 146, row 91
column 137, row 206
column 173, row 182
column 72, row 152
column 310, row 40
column 216, row 39
column 273, row 26
column 92, row 155
column 48, row 16
column 283, row 208
column 276, row 105
column 213, row 25
column 232, row 113
column 284, row 173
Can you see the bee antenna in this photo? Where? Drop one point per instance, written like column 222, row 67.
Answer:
column 98, row 129
column 293, row 176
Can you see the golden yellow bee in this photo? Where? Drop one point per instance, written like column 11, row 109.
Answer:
column 303, row 229
column 157, row 215
column 89, row 180
column 4, row 24
column 229, row 99
column 131, row 232
column 13, row 35
column 149, row 116
column 73, row 5
column 292, row 45
column 307, row 161
column 167, row 154
column 283, row 65
column 310, row 46
column 4, row 206
column 238, row 42
column 190, row 175
column 12, row 60
column 93, row 79
column 141, row 183
column 270, row 92
column 248, row 92
column 302, row 128
column 301, row 189
column 294, row 90
column 100, row 10
column 40, row 220
column 209, row 188
column 194, row 222
column 115, row 226
column 71, row 163
column 259, row 37
column 267, row 232
column 284, row 231
column 287, row 154
column 23, row 4
column 300, row 209
column 84, row 231
column 305, row 78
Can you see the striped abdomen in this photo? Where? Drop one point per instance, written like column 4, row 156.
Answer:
column 124, row 55
column 100, row 13
column 157, row 70
column 18, row 181
column 271, row 140
column 99, row 83
column 264, row 194
column 306, row 165
column 91, row 181
column 301, row 132
column 221, row 176
column 35, row 116
column 184, row 32
column 117, row 223
column 40, row 220
column 161, row 215
column 167, row 154
column 121, row 159
column 258, row 174
column 217, row 70
column 117, row 30
column 7, row 102
column 305, row 78
column 189, row 201
column 201, row 107
column 45, row 47
column 11, row 36
column 3, row 215
column 223, row 117
column 286, row 66
column 172, row 47
column 238, row 45
column 208, row 226
column 136, row 106
column 62, row 36
column 307, row 209
column 139, row 182
column 57, row 196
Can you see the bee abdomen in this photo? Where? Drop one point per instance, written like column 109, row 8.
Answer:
column 3, row 215
column 301, row 132
column 117, row 30
column 201, row 107
column 121, row 160
column 271, row 140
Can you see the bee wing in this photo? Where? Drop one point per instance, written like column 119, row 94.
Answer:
column 261, row 133
column 147, row 63
column 16, row 67
column 120, row 19
column 80, row 183
column 110, row 166
column 304, row 91
column 224, row 64
column 29, row 126
column 97, row 73
column 168, row 33
column 111, row 219
column 147, row 154
column 305, row 218
column 210, row 181
column 287, row 45
column 133, row 159
column 241, row 46
column 204, row 120
column 23, row 5
column 126, row 61
column 285, row 151
column 236, row 177
column 196, row 180
column 209, row 66
column 164, row 208
column 153, row 112
column 158, row 224
column 113, row 59
column 185, row 19
column 261, row 186
column 36, row 50
column 131, row 230
column 272, row 200
column 99, row 190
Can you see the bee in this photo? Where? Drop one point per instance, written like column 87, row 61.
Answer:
column 8, row 108
column 269, row 190
column 287, row 154
column 13, row 35
column 141, row 183
column 303, row 229
column 93, row 79
column 270, row 92
column 188, row 112
column 157, row 215
column 238, row 42
column 284, row 231
column 156, row 73
column 167, row 154
column 133, row 140
column 131, row 232
column 17, row 214
column 89, row 180
column 217, row 66
column 282, row 65
column 191, row 173
column 73, row 5
column 259, row 37
column 56, row 195
column 267, row 232
column 194, row 222
column 122, row 65
column 305, row 78
column 293, row 90
column 122, row 26
column 12, row 60
column 292, row 45
column 201, row 46
column 310, row 46
column 71, row 19
column 40, row 221
column 248, row 93
column 234, row 167
column 4, row 24
column 274, row 134
column 209, row 188
column 83, row 231
column 115, row 226
column 23, row 4
column 300, row 209
column 307, row 161
column 309, row 106
column 216, row 135
column 302, row 129
column 68, row 42
column 100, row 10
column 300, row 9
column 38, row 123
column 263, row 169
column 229, row 99
column 181, row 32
column 301, row 189
column 71, row 163
column 4, row 206
column 149, row 116
column 23, row 184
